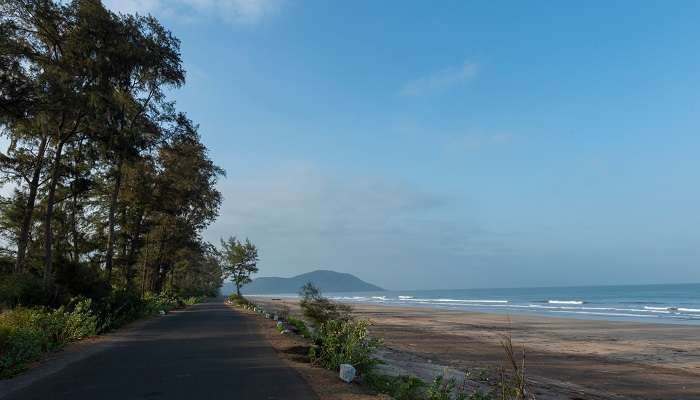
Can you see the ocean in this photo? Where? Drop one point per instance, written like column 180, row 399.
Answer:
column 673, row 304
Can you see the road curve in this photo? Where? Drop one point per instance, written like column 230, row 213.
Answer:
column 205, row 352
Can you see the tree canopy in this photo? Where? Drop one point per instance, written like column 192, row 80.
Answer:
column 112, row 186
column 239, row 261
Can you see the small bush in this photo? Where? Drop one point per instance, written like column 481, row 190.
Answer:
column 21, row 289
column 441, row 388
column 21, row 339
column 319, row 309
column 192, row 300
column 238, row 300
column 513, row 386
column 117, row 309
column 447, row 389
column 345, row 342
column 398, row 387
column 300, row 327
column 26, row 333
column 81, row 322
column 160, row 302
column 478, row 395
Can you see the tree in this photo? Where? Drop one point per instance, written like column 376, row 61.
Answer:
column 111, row 184
column 319, row 309
column 239, row 261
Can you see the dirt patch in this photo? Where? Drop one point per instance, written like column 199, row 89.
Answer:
column 298, row 353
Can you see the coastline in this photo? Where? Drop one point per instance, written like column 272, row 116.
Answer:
column 565, row 358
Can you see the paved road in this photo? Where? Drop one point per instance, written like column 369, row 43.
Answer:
column 205, row 352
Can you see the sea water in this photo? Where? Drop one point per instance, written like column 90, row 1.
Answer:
column 642, row 303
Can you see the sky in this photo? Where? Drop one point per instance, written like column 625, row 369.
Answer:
column 451, row 144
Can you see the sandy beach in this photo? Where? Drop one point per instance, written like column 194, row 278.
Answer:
column 565, row 358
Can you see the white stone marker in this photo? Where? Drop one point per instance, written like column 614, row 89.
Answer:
column 347, row 372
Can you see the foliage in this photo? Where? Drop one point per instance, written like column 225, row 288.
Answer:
column 300, row 326
column 477, row 395
column 79, row 323
column 238, row 300
column 344, row 342
column 117, row 309
column 398, row 387
column 513, row 386
column 157, row 302
column 441, row 388
column 26, row 333
column 239, row 261
column 22, row 339
column 318, row 309
column 192, row 300
column 112, row 184
column 20, row 289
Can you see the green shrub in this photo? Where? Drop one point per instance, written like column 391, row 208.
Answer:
column 319, row 309
column 21, row 289
column 441, row 388
column 238, row 300
column 447, row 389
column 21, row 339
column 26, row 333
column 478, row 395
column 192, row 300
column 300, row 327
column 344, row 342
column 81, row 322
column 398, row 387
column 157, row 302
column 117, row 309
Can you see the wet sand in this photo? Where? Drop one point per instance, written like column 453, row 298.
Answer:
column 565, row 358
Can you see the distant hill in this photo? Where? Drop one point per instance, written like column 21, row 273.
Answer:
column 327, row 281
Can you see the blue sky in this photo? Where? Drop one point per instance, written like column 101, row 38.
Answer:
column 449, row 144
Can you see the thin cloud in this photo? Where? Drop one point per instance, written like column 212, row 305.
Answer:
column 305, row 201
column 243, row 12
column 383, row 230
column 441, row 80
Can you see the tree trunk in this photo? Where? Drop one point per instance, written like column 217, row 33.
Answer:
column 75, row 235
column 75, row 253
column 111, row 221
column 131, row 259
column 29, row 209
column 48, row 239
column 145, row 268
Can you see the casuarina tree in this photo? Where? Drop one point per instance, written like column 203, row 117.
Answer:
column 239, row 261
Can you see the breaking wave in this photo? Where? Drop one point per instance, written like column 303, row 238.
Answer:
column 565, row 302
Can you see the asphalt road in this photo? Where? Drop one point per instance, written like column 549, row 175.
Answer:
column 205, row 352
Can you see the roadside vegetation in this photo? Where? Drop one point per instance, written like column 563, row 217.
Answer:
column 107, row 185
column 27, row 333
column 336, row 338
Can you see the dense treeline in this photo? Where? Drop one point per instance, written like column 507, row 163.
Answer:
column 107, row 186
